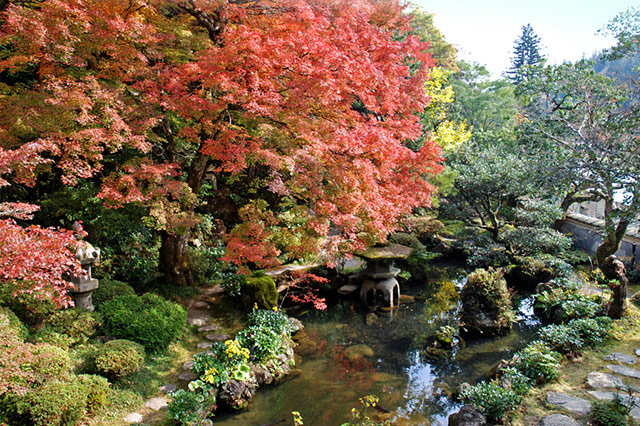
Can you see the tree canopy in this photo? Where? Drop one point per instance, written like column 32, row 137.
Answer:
column 282, row 120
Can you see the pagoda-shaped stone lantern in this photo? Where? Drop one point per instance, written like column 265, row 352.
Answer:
column 83, row 286
column 380, row 273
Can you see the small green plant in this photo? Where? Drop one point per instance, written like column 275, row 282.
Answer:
column 274, row 319
column 610, row 413
column 538, row 362
column 492, row 398
column 593, row 331
column 561, row 338
column 190, row 408
column 119, row 358
column 262, row 342
column 514, row 379
column 149, row 320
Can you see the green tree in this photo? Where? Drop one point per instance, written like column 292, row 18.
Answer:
column 487, row 106
column 625, row 27
column 591, row 127
column 526, row 55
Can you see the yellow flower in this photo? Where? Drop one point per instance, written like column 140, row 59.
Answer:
column 275, row 309
column 255, row 305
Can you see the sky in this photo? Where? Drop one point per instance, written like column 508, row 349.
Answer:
column 484, row 31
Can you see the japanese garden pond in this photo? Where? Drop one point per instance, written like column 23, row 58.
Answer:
column 345, row 353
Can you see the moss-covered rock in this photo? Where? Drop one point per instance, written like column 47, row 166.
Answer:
column 486, row 303
column 260, row 290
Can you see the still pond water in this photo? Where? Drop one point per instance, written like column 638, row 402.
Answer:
column 412, row 383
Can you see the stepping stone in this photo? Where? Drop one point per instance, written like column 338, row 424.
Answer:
column 168, row 388
column 212, row 291
column 133, row 418
column 204, row 345
column 635, row 413
column 571, row 403
column 187, row 366
column 602, row 395
column 620, row 357
column 199, row 304
column 187, row 376
column 217, row 337
column 558, row 420
column 625, row 371
column 208, row 328
column 198, row 317
column 599, row 380
column 155, row 403
column 638, row 352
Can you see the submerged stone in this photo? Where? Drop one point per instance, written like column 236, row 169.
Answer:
column 358, row 351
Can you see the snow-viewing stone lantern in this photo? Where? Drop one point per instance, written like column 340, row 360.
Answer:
column 84, row 285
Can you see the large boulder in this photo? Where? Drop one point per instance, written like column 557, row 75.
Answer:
column 467, row 416
column 486, row 303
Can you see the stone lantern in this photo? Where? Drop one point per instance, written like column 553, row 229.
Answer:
column 84, row 285
column 380, row 273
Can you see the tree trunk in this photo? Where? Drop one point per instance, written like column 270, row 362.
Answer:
column 611, row 244
column 174, row 259
column 612, row 268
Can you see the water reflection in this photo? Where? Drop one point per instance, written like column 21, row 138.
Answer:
column 347, row 353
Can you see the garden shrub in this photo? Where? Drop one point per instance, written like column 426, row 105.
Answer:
column 561, row 338
column 31, row 310
column 57, row 402
column 49, row 362
column 261, row 290
column 405, row 239
column 262, row 342
column 593, row 331
column 119, row 358
column 537, row 362
column 109, row 289
column 190, row 408
column 78, row 324
column 565, row 302
column 274, row 319
column 609, row 413
column 486, row 303
column 13, row 322
column 514, row 379
column 98, row 392
column 492, row 398
column 149, row 320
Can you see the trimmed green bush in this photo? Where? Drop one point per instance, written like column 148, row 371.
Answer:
column 98, row 392
column 14, row 323
column 538, row 362
column 119, row 358
column 405, row 239
column 492, row 398
column 49, row 362
column 149, row 320
column 190, row 408
column 110, row 289
column 57, row 403
column 70, row 327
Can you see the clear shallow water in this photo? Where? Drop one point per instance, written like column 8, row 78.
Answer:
column 413, row 383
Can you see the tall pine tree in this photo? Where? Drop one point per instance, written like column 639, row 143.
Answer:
column 526, row 52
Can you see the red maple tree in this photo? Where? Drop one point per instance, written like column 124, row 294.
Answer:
column 286, row 119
